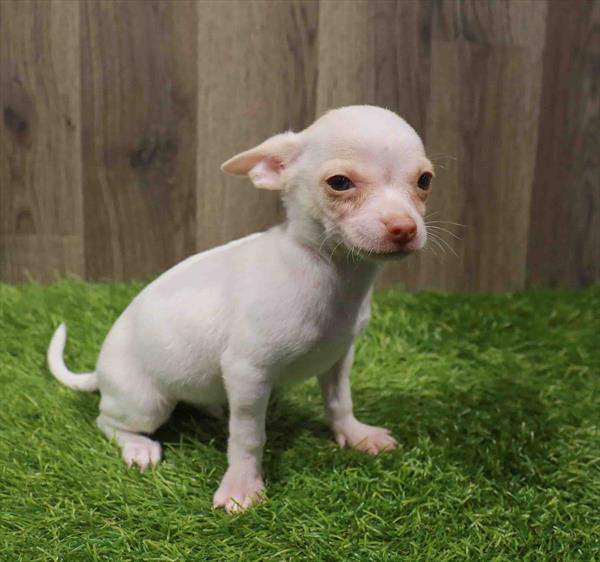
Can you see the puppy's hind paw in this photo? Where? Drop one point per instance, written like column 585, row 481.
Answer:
column 142, row 451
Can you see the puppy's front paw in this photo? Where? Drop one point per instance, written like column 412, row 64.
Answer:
column 239, row 489
column 367, row 438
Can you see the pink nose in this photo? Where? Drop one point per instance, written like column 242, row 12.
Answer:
column 402, row 229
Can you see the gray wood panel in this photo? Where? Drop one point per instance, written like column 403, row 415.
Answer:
column 481, row 130
column 118, row 113
column 139, row 135
column 257, row 77
column 41, row 228
column 564, row 236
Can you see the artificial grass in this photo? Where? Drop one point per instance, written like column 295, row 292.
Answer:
column 494, row 401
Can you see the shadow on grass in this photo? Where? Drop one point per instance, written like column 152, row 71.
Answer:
column 191, row 424
column 285, row 423
column 499, row 428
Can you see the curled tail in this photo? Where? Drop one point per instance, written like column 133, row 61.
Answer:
column 84, row 381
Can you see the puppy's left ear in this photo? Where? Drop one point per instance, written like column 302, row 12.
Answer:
column 266, row 163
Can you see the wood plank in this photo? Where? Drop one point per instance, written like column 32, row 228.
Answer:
column 564, row 237
column 381, row 58
column 121, row 111
column 466, row 76
column 344, row 59
column 257, row 77
column 40, row 257
column 139, row 135
column 482, row 131
column 41, row 228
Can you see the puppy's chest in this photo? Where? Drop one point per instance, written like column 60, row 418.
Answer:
column 314, row 342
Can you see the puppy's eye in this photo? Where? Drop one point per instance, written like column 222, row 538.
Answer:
column 339, row 183
column 424, row 181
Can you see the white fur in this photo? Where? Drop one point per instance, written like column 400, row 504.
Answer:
column 227, row 325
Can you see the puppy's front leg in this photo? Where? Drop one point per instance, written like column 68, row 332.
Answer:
column 248, row 394
column 348, row 431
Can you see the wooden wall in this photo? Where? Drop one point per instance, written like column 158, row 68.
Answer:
column 117, row 114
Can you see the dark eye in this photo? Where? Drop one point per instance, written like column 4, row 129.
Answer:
column 424, row 181
column 339, row 183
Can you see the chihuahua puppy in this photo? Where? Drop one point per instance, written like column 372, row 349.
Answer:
column 227, row 325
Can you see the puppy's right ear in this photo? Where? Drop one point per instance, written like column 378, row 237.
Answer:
column 266, row 163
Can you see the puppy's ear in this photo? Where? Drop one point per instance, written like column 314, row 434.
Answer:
column 266, row 163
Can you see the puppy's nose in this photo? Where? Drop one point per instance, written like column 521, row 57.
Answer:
column 402, row 229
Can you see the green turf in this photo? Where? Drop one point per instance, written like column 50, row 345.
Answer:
column 494, row 400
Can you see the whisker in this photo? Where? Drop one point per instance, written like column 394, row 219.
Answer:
column 445, row 243
column 351, row 256
column 429, row 247
column 327, row 231
column 334, row 249
column 437, row 159
column 441, row 156
column 448, row 222
column 362, row 239
column 440, row 229
column 326, row 238
column 436, row 235
column 321, row 245
column 438, row 245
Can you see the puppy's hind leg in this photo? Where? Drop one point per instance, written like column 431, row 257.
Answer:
column 126, row 422
column 136, row 448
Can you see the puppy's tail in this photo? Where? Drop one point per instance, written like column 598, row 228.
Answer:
column 84, row 381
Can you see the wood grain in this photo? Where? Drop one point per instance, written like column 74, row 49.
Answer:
column 41, row 228
column 257, row 77
column 383, row 57
column 139, row 135
column 564, row 236
column 346, row 75
column 482, row 129
column 118, row 113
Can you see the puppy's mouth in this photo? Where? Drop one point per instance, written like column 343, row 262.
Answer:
column 382, row 248
column 383, row 252
column 376, row 252
column 383, row 255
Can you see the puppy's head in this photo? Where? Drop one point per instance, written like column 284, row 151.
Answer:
column 359, row 175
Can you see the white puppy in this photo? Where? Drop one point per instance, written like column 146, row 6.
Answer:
column 227, row 325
